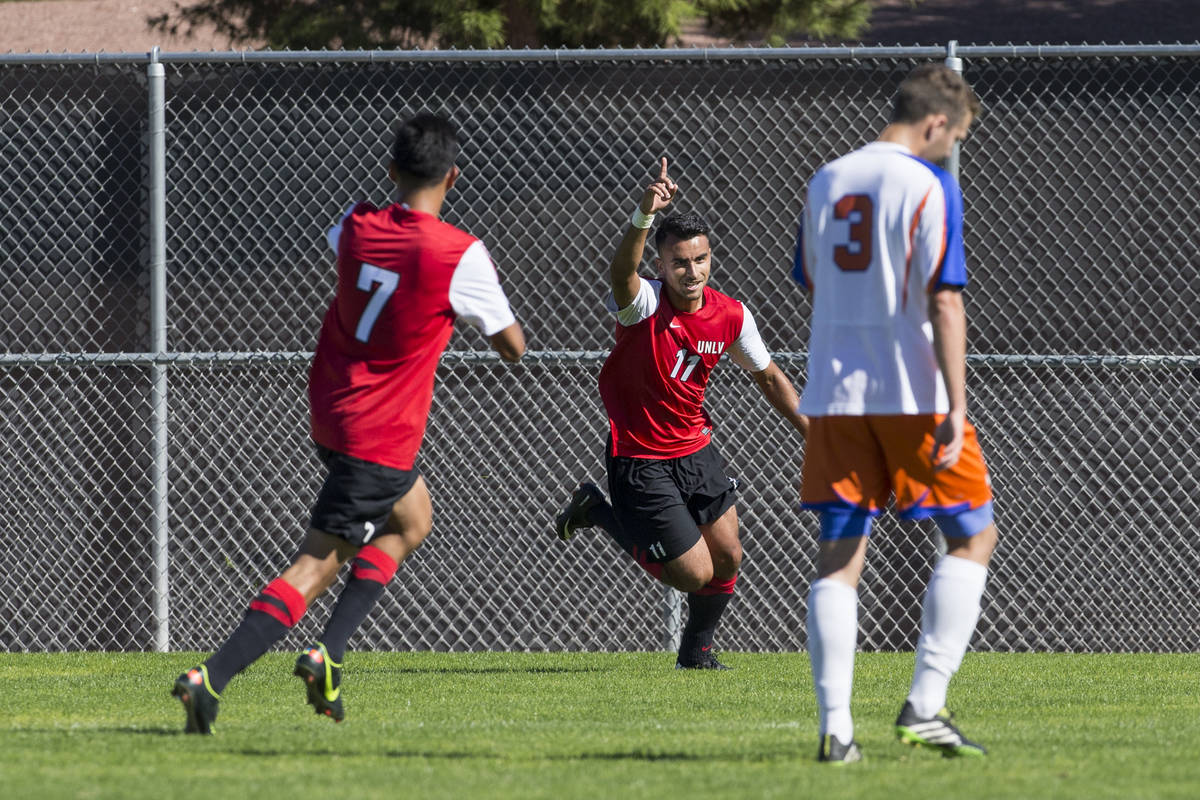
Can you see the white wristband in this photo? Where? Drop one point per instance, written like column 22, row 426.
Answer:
column 641, row 220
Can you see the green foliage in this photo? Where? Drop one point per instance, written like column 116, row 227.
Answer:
column 611, row 23
column 369, row 24
column 349, row 24
column 776, row 20
column 587, row 725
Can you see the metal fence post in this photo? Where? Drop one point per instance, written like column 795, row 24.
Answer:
column 157, row 187
column 672, row 617
column 955, row 63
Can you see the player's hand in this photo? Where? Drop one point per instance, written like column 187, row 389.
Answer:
column 660, row 193
column 948, row 440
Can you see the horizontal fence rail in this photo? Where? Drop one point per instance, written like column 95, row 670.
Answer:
column 163, row 274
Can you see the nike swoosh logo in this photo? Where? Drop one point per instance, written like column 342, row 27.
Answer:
column 674, row 324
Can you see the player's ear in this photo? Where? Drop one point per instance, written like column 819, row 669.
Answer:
column 934, row 124
column 452, row 177
column 393, row 173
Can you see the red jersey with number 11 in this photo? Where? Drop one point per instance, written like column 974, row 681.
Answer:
column 654, row 379
column 404, row 276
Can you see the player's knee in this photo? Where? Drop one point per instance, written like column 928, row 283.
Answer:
column 695, row 580
column 688, row 576
column 728, row 562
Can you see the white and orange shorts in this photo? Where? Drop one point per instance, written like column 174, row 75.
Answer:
column 854, row 464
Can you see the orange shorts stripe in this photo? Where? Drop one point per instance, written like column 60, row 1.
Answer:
column 863, row 461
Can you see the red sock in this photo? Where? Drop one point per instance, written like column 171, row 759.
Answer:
column 642, row 557
column 282, row 601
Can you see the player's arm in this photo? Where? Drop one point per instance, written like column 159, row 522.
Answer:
column 624, row 266
column 939, row 243
column 949, row 322
column 509, row 343
column 782, row 396
column 750, row 353
column 477, row 297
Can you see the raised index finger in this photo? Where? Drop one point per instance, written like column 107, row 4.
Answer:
column 662, row 175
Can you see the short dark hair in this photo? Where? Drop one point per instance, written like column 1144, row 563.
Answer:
column 682, row 225
column 934, row 89
column 425, row 148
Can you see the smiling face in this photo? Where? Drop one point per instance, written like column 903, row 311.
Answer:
column 683, row 265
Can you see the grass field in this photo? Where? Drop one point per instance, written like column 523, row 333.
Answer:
column 563, row 725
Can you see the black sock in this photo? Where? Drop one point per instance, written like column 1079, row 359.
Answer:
column 254, row 637
column 371, row 570
column 704, row 612
column 357, row 600
column 271, row 614
column 602, row 516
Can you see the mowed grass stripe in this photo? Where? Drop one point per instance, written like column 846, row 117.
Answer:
column 626, row 725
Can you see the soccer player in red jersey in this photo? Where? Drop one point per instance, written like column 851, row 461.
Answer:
column 672, row 505
column 403, row 277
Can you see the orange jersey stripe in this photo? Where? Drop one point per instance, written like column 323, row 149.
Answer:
column 912, row 232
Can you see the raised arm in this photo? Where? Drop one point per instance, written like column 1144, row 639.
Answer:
column 623, row 269
column 782, row 396
column 950, row 346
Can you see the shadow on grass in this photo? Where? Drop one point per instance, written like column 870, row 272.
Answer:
column 483, row 755
column 630, row 755
column 80, row 731
column 465, row 670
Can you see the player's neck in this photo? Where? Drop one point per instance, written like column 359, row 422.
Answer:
column 429, row 200
column 905, row 135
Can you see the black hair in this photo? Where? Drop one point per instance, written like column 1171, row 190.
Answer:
column 425, row 148
column 681, row 225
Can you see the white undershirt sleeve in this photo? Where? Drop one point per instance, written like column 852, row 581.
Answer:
column 475, row 292
column 748, row 350
column 334, row 234
column 643, row 305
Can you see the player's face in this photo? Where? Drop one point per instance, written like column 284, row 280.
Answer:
column 941, row 138
column 684, row 266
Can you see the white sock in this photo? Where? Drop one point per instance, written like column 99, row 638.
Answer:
column 832, row 638
column 948, row 620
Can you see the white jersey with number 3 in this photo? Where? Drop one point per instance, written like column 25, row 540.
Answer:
column 882, row 229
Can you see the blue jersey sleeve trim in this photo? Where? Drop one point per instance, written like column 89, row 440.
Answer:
column 953, row 269
column 798, row 273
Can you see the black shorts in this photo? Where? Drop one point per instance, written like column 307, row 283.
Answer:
column 661, row 502
column 357, row 497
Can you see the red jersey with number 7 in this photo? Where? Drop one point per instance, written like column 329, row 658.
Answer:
column 654, row 379
column 403, row 277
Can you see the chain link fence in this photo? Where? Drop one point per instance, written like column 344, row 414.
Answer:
column 1083, row 310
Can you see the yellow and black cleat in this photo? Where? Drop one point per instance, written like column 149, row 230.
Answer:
column 200, row 702
column 322, row 680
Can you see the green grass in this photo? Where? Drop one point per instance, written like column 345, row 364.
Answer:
column 623, row 726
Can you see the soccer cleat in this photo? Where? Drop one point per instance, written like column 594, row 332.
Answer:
column 698, row 658
column 322, row 680
column 937, row 732
column 199, row 700
column 832, row 750
column 574, row 515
